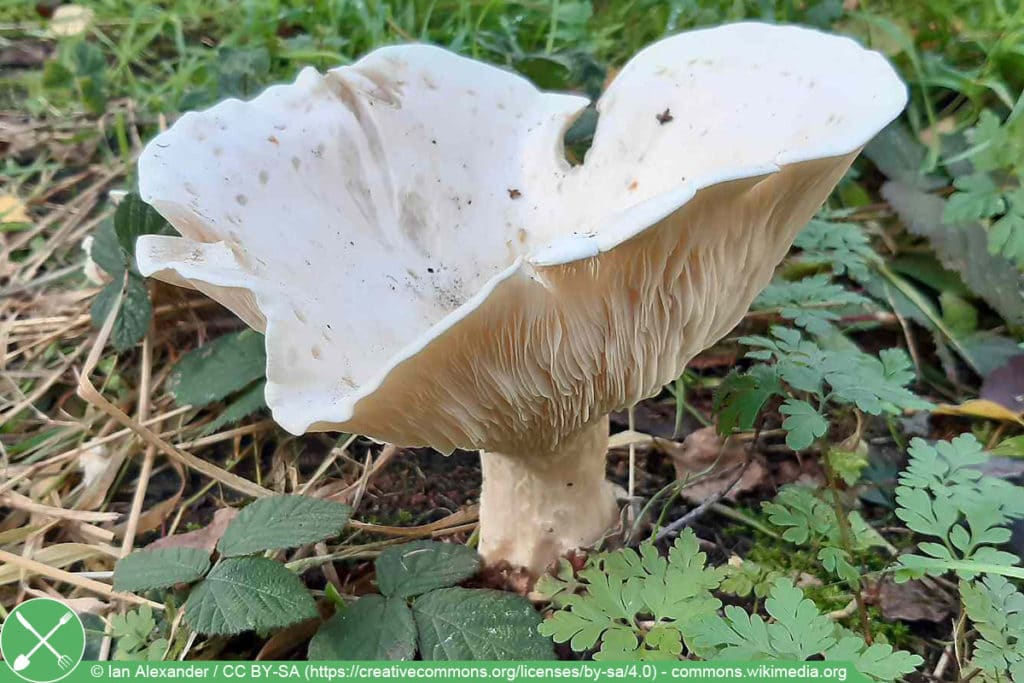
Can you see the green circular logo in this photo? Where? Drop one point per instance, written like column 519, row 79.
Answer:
column 42, row 640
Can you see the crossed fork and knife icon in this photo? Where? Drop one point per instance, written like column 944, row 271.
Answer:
column 22, row 661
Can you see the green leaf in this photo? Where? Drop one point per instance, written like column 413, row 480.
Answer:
column 806, row 302
column 977, row 196
column 624, row 587
column 848, row 465
column 134, row 217
column 1006, row 236
column 247, row 593
column 746, row 576
column 803, row 515
column 900, row 155
column 843, row 245
column 996, row 146
column 1012, row 447
column 106, row 251
column 146, row 570
column 132, row 321
column 57, row 75
column 218, row 369
column 798, row 631
column 944, row 495
column 996, row 607
column 371, row 629
column 282, row 522
column 461, row 624
column 740, row 397
column 958, row 314
column 420, row 566
column 558, row 587
column 803, row 424
column 243, row 405
column 242, row 71
column 963, row 248
column 837, row 561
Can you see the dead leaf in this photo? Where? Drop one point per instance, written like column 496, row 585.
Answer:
column 87, row 605
column 93, row 463
column 287, row 641
column 980, row 408
column 913, row 601
column 806, row 580
column 704, row 449
column 203, row 539
column 12, row 210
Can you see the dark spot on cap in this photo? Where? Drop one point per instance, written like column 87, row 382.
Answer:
column 514, row 193
column 664, row 117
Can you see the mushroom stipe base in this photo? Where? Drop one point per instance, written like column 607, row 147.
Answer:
column 536, row 507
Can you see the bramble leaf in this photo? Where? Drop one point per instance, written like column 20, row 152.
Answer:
column 247, row 593
column 420, row 566
column 282, row 522
column 145, row 570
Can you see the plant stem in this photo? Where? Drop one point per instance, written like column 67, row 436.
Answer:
column 844, row 538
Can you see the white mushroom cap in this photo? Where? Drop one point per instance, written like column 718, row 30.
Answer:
column 428, row 268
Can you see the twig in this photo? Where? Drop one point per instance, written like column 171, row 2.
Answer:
column 698, row 512
column 75, row 580
column 87, row 391
column 147, row 460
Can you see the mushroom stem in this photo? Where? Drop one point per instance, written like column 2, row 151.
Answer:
column 534, row 508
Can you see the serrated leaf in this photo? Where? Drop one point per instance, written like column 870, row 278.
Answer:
column 371, row 629
column 106, row 251
column 962, row 248
column 218, row 369
column 133, row 316
column 133, row 218
column 240, row 407
column 146, row 570
column 462, row 624
column 247, row 593
column 420, row 566
column 282, row 522
column 899, row 155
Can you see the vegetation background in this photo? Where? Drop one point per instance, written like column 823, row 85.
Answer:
column 864, row 508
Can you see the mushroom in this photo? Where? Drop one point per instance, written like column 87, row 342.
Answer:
column 430, row 270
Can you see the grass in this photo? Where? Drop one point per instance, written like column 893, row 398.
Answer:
column 83, row 482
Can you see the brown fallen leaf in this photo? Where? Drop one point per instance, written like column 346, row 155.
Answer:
column 203, row 539
column 704, row 449
column 913, row 601
column 12, row 210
